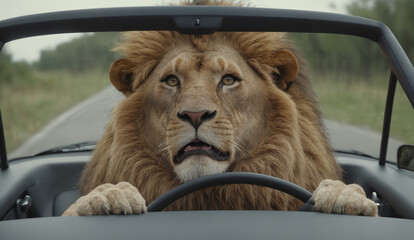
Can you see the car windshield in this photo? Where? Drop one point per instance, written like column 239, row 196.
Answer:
column 62, row 100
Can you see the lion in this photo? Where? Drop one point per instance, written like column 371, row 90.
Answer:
column 197, row 105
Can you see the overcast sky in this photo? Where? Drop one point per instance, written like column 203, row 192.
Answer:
column 29, row 49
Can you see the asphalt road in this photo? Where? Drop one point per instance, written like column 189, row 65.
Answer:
column 86, row 122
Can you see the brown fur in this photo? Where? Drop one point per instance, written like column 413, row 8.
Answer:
column 293, row 147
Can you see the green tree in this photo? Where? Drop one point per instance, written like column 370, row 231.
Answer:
column 357, row 55
column 396, row 14
column 11, row 71
column 86, row 53
column 5, row 67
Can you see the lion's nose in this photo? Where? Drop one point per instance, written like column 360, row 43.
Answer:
column 196, row 118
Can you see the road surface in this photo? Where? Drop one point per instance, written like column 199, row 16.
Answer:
column 86, row 122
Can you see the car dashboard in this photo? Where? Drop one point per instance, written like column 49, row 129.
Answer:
column 51, row 182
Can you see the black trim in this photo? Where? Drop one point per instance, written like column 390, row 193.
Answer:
column 3, row 151
column 387, row 119
column 181, row 18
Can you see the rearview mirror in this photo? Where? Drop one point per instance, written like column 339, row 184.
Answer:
column 405, row 157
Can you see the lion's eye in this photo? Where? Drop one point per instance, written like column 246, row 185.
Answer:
column 229, row 80
column 172, row 81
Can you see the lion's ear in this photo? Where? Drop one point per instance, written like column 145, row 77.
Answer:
column 121, row 75
column 287, row 68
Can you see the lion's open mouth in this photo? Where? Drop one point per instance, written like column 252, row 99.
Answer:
column 199, row 147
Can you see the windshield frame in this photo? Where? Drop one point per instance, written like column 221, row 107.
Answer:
column 210, row 19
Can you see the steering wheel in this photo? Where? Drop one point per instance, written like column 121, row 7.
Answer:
column 232, row 178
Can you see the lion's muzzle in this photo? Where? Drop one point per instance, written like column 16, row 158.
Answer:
column 196, row 146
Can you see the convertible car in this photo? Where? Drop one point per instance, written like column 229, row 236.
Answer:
column 36, row 189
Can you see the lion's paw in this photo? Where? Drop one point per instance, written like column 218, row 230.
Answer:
column 122, row 198
column 336, row 197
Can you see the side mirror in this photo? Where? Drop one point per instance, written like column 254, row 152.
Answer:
column 405, row 157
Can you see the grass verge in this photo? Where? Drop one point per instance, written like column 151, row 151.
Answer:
column 360, row 101
column 27, row 105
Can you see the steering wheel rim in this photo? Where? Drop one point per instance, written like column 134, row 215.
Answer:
column 229, row 178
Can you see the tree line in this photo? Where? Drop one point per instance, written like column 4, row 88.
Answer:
column 11, row 71
column 88, row 52
column 357, row 55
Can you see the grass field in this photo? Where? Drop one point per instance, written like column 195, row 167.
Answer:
column 361, row 101
column 28, row 105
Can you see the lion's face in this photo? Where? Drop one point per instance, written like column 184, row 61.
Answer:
column 206, row 109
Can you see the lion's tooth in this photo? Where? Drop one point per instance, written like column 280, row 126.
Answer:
column 191, row 148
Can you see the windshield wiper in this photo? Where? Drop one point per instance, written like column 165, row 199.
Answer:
column 77, row 147
column 355, row 152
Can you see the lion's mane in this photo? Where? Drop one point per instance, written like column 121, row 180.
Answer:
column 296, row 150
